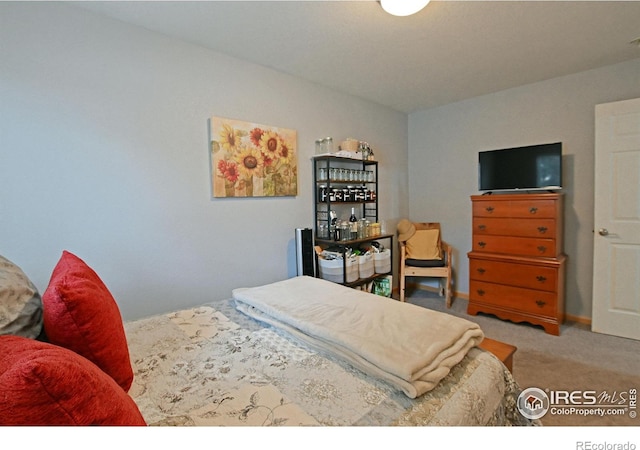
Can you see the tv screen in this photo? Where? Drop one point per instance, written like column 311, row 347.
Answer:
column 534, row 167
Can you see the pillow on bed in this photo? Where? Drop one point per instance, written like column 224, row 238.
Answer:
column 42, row 384
column 81, row 314
column 20, row 302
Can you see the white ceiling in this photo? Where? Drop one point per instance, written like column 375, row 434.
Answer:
column 450, row 51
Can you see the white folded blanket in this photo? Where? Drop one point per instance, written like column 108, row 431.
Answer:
column 411, row 347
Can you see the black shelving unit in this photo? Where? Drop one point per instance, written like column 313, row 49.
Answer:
column 341, row 184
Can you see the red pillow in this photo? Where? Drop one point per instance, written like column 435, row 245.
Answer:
column 80, row 314
column 42, row 384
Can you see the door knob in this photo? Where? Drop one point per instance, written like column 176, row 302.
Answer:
column 603, row 232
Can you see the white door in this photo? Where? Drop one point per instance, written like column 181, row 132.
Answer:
column 616, row 267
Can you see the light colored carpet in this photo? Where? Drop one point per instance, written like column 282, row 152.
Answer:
column 576, row 360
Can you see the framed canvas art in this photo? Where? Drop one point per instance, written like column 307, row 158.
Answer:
column 252, row 160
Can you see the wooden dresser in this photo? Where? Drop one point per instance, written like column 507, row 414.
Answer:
column 517, row 264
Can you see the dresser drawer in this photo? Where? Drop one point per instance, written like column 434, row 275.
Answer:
column 514, row 274
column 541, row 303
column 533, row 208
column 544, row 248
column 545, row 228
column 515, row 208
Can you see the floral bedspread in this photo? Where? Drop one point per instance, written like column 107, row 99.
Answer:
column 212, row 365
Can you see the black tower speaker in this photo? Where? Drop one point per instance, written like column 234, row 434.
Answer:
column 306, row 261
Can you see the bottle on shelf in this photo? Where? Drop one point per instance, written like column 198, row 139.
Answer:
column 353, row 224
column 334, row 231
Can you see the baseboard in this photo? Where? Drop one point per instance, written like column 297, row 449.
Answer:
column 578, row 319
column 422, row 287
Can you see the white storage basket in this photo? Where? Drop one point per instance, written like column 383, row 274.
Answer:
column 333, row 269
column 382, row 261
column 365, row 266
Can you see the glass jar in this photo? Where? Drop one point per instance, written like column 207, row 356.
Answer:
column 374, row 229
column 322, row 176
column 323, row 230
column 327, row 145
column 332, row 194
column 344, row 231
column 322, row 193
column 362, row 228
column 352, row 193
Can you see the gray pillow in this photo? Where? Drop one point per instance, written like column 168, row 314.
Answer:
column 20, row 302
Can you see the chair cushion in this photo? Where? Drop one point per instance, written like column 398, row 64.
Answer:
column 424, row 244
column 424, row 262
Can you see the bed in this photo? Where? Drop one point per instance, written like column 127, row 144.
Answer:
column 297, row 352
column 215, row 365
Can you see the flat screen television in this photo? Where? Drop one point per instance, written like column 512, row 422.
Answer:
column 534, row 167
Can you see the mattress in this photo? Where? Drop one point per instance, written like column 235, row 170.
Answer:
column 214, row 366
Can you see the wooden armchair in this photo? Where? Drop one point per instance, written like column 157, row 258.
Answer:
column 423, row 253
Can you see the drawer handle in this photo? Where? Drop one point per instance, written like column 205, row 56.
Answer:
column 481, row 271
column 489, row 209
column 541, row 279
column 542, row 249
column 533, row 210
column 481, row 292
column 542, row 230
column 482, row 227
column 540, row 303
column 482, row 244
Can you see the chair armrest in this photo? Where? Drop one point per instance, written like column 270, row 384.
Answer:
column 447, row 249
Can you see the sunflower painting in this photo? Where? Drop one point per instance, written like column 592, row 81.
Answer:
column 252, row 160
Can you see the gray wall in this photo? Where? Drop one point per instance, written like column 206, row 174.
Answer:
column 443, row 153
column 104, row 152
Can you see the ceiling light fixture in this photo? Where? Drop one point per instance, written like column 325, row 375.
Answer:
column 403, row 7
